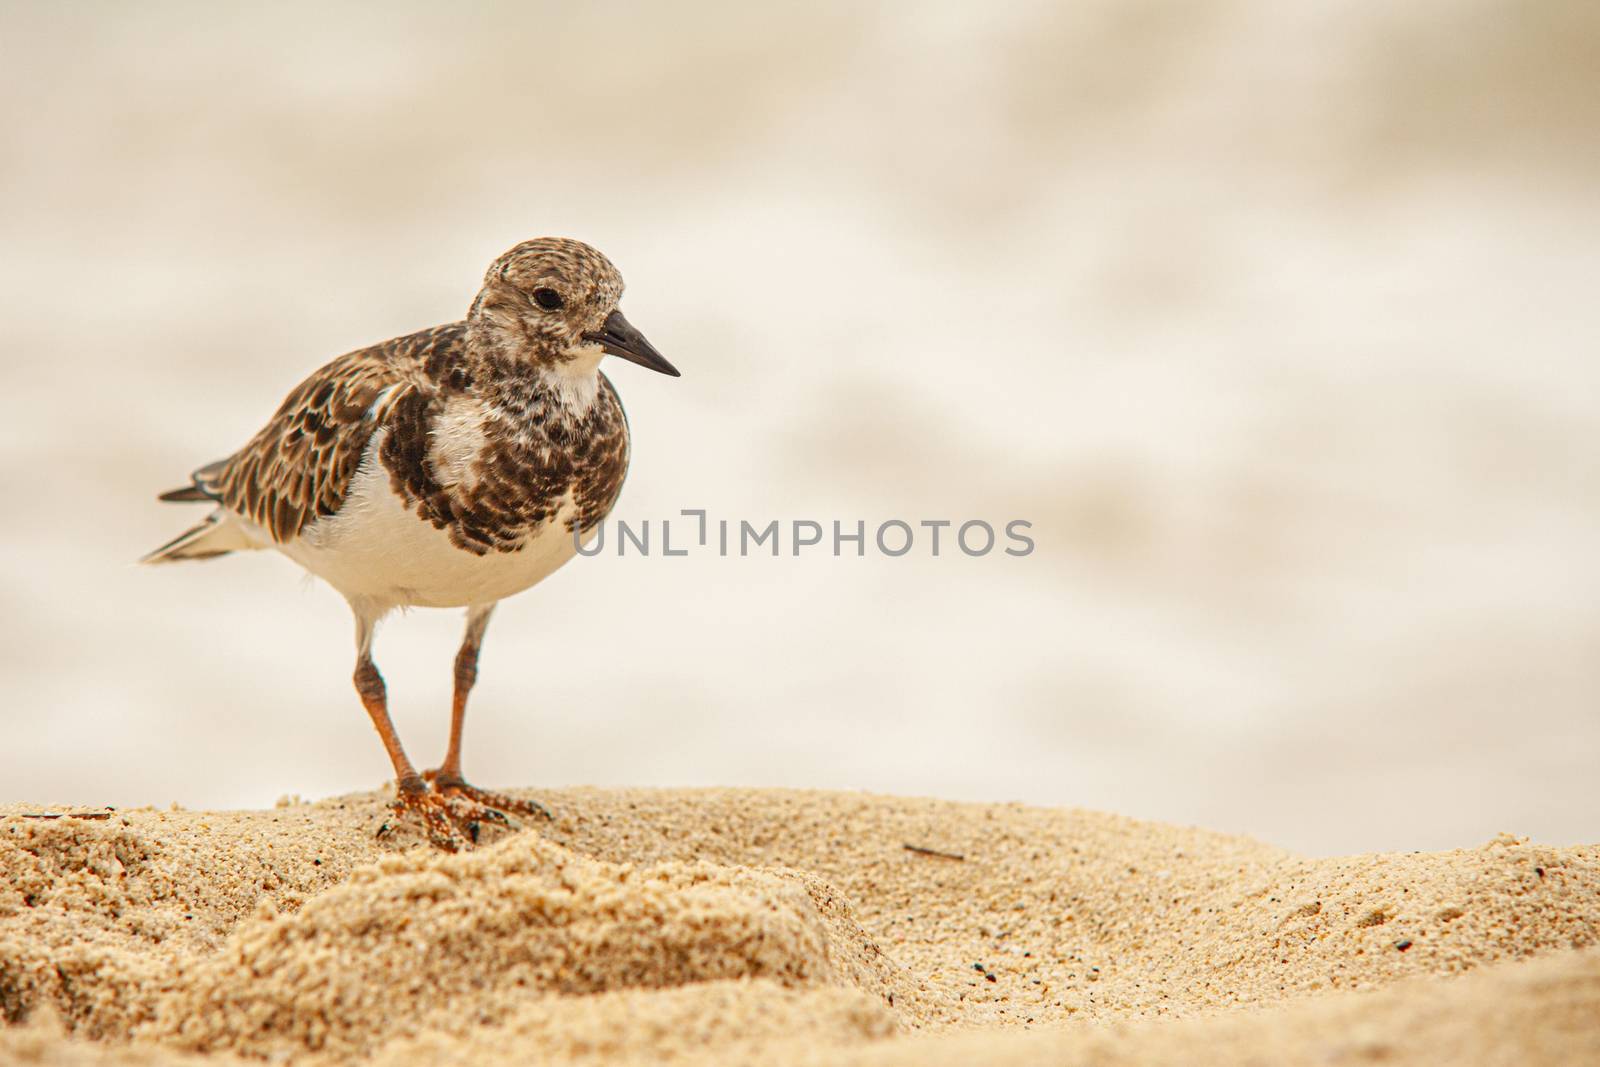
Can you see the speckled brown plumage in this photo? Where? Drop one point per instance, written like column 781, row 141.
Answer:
column 521, row 476
column 298, row 467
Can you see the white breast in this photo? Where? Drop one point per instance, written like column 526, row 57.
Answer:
column 381, row 555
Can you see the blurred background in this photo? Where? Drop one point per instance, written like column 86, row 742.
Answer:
column 1278, row 321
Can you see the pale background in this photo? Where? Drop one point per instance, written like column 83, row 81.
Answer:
column 1278, row 320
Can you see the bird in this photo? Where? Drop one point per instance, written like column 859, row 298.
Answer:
column 448, row 468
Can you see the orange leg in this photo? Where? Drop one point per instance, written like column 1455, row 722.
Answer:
column 449, row 822
column 447, row 780
column 466, row 675
column 412, row 796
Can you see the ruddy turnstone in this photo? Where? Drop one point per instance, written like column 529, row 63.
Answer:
column 447, row 468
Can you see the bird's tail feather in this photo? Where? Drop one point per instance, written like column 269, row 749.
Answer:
column 188, row 494
column 213, row 537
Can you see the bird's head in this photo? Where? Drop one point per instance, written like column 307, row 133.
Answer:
column 553, row 300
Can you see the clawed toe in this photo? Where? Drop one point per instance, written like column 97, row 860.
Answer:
column 457, row 788
column 472, row 812
column 452, row 811
column 442, row 825
column 501, row 804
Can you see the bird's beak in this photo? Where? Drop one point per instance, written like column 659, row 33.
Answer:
column 619, row 338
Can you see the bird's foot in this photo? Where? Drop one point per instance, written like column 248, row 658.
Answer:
column 446, row 829
column 458, row 790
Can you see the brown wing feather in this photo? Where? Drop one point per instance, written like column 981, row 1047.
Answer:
column 298, row 467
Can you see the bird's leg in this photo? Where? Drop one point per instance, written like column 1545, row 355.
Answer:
column 466, row 675
column 411, row 791
column 448, row 779
column 412, row 794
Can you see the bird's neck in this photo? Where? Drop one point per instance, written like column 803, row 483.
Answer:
column 517, row 378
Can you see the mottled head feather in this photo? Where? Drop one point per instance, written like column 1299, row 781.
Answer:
column 507, row 313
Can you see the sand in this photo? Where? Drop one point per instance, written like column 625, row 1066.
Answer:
column 776, row 927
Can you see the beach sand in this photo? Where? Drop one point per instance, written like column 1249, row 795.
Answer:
column 764, row 926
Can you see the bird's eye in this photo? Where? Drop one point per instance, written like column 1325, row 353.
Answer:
column 548, row 299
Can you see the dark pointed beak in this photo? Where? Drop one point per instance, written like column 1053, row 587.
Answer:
column 619, row 338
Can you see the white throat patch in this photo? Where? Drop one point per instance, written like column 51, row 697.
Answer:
column 576, row 383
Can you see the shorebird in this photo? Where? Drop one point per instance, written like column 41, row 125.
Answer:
column 447, row 468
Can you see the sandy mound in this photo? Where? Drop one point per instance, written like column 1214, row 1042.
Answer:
column 457, row 943
column 771, row 925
